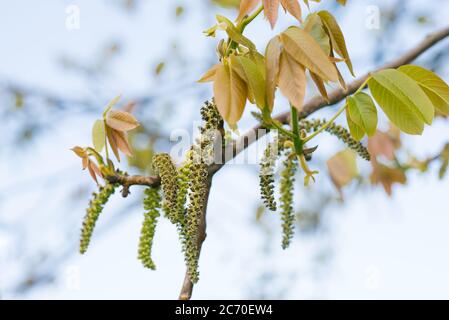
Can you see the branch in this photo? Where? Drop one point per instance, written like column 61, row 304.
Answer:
column 313, row 105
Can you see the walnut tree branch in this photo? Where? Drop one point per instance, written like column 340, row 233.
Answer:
column 239, row 145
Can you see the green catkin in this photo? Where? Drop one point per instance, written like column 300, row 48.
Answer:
column 266, row 175
column 96, row 206
column 183, row 188
column 164, row 166
column 286, row 200
column 151, row 204
column 338, row 131
column 199, row 158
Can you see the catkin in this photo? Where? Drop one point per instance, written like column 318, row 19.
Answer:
column 338, row 131
column 266, row 175
column 286, row 200
column 96, row 206
column 151, row 204
column 164, row 166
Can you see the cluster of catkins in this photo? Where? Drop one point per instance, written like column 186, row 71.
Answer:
column 273, row 152
column 184, row 194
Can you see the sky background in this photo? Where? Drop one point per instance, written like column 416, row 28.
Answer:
column 370, row 247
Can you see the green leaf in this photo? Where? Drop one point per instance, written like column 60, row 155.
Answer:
column 336, row 37
column 314, row 27
column 402, row 100
column 357, row 132
column 363, row 112
column 234, row 34
column 98, row 135
column 112, row 103
column 253, row 77
column 434, row 87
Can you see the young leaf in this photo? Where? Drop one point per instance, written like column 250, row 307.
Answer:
column 112, row 142
column 122, row 142
column 112, row 103
column 357, row 132
column 230, row 92
column 402, row 100
column 271, row 9
column 302, row 47
column 343, row 168
column 382, row 144
column 80, row 152
column 320, row 85
column 253, row 77
column 209, row 76
column 434, row 87
column 246, row 6
column 272, row 57
column 121, row 120
column 387, row 176
column 315, row 28
column 363, row 112
column 98, row 135
column 234, row 34
column 292, row 80
column 336, row 37
column 293, row 7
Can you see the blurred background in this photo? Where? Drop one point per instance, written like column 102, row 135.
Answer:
column 56, row 76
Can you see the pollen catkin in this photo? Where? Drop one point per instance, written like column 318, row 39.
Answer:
column 183, row 188
column 286, row 200
column 93, row 212
column 266, row 175
column 211, row 117
column 338, row 131
column 164, row 166
column 151, row 204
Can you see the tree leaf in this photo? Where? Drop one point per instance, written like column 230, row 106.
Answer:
column 315, row 28
column 209, row 76
column 230, row 92
column 357, row 132
column 387, row 176
column 246, row 6
column 402, row 100
column 272, row 59
column 293, row 7
column 320, row 85
column 342, row 168
column 271, row 10
column 382, row 144
column 302, row 47
column 80, row 152
column 434, row 87
column 292, row 80
column 363, row 112
column 336, row 36
column 112, row 142
column 122, row 142
column 112, row 103
column 121, row 120
column 253, row 77
column 234, row 34
column 98, row 135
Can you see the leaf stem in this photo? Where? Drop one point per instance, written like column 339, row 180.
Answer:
column 241, row 27
column 326, row 125
column 297, row 142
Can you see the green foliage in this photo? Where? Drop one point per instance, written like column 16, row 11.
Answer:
column 93, row 212
column 151, row 204
column 362, row 115
column 164, row 166
column 286, row 199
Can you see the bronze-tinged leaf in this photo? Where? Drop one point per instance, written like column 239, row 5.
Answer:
column 112, row 141
column 272, row 58
column 336, row 36
column 246, row 6
column 320, row 85
column 387, row 176
column 382, row 144
column 302, row 47
column 85, row 162
column 292, row 80
column 80, row 152
column 230, row 92
column 209, row 76
column 122, row 142
column 293, row 7
column 342, row 168
column 271, row 9
column 92, row 171
column 315, row 28
column 121, row 120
